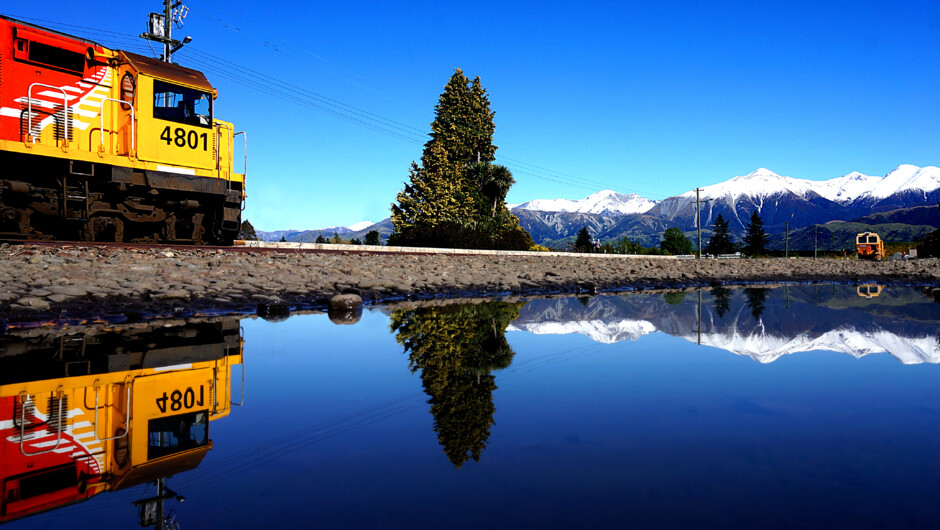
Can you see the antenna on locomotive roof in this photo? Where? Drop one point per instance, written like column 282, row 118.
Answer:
column 161, row 27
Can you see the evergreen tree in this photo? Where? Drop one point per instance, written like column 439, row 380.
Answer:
column 320, row 238
column 755, row 239
column 721, row 241
column 456, row 197
column 283, row 239
column 336, row 239
column 675, row 242
column 372, row 238
column 247, row 232
column 583, row 242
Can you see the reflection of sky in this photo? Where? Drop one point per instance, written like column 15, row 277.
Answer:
column 336, row 432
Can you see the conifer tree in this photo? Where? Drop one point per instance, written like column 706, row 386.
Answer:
column 583, row 242
column 755, row 239
column 456, row 196
column 246, row 232
column 372, row 238
column 720, row 242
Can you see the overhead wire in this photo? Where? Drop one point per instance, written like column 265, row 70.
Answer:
column 307, row 98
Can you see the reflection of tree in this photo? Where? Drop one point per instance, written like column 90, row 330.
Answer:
column 722, row 296
column 456, row 347
column 674, row 297
column 756, row 297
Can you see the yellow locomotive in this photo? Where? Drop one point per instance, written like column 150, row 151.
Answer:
column 106, row 145
column 82, row 414
column 870, row 246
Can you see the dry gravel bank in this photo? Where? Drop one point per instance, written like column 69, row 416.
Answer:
column 57, row 282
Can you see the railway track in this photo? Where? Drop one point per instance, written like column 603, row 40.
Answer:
column 320, row 248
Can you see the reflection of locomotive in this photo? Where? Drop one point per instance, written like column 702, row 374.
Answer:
column 106, row 145
column 84, row 415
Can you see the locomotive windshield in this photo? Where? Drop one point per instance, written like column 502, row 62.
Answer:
column 181, row 104
column 173, row 434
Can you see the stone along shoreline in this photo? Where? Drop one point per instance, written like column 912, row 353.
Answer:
column 38, row 281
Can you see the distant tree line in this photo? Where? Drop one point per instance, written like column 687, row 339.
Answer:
column 674, row 241
column 372, row 237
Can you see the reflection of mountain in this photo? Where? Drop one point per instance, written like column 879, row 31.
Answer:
column 88, row 411
column 456, row 347
column 760, row 323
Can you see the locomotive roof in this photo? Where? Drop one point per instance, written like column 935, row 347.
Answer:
column 54, row 32
column 147, row 65
column 169, row 72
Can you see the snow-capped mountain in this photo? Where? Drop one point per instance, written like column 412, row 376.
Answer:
column 361, row 225
column 358, row 230
column 800, row 202
column 846, row 188
column 843, row 190
column 906, row 178
column 604, row 202
column 780, row 200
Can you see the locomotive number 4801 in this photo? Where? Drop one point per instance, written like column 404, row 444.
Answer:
column 181, row 138
column 178, row 399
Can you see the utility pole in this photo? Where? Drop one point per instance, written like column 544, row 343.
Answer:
column 161, row 27
column 698, row 222
column 786, row 239
column 815, row 240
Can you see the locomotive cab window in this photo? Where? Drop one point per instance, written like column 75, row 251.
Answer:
column 173, row 434
column 181, row 104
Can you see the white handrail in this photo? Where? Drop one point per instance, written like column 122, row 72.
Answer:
column 127, row 403
column 58, row 440
column 101, row 121
column 29, row 107
column 246, row 149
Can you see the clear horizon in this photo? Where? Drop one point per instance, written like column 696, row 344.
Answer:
column 640, row 98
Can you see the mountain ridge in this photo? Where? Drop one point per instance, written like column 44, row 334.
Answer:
column 783, row 202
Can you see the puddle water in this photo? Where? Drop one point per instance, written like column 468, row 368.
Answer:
column 790, row 406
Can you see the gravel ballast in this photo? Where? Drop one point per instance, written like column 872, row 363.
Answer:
column 40, row 281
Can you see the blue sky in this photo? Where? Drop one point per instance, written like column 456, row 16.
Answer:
column 648, row 97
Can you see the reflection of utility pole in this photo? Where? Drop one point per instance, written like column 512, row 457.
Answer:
column 151, row 510
column 699, row 317
column 788, row 297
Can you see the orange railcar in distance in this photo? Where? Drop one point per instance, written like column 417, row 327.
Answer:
column 870, row 246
